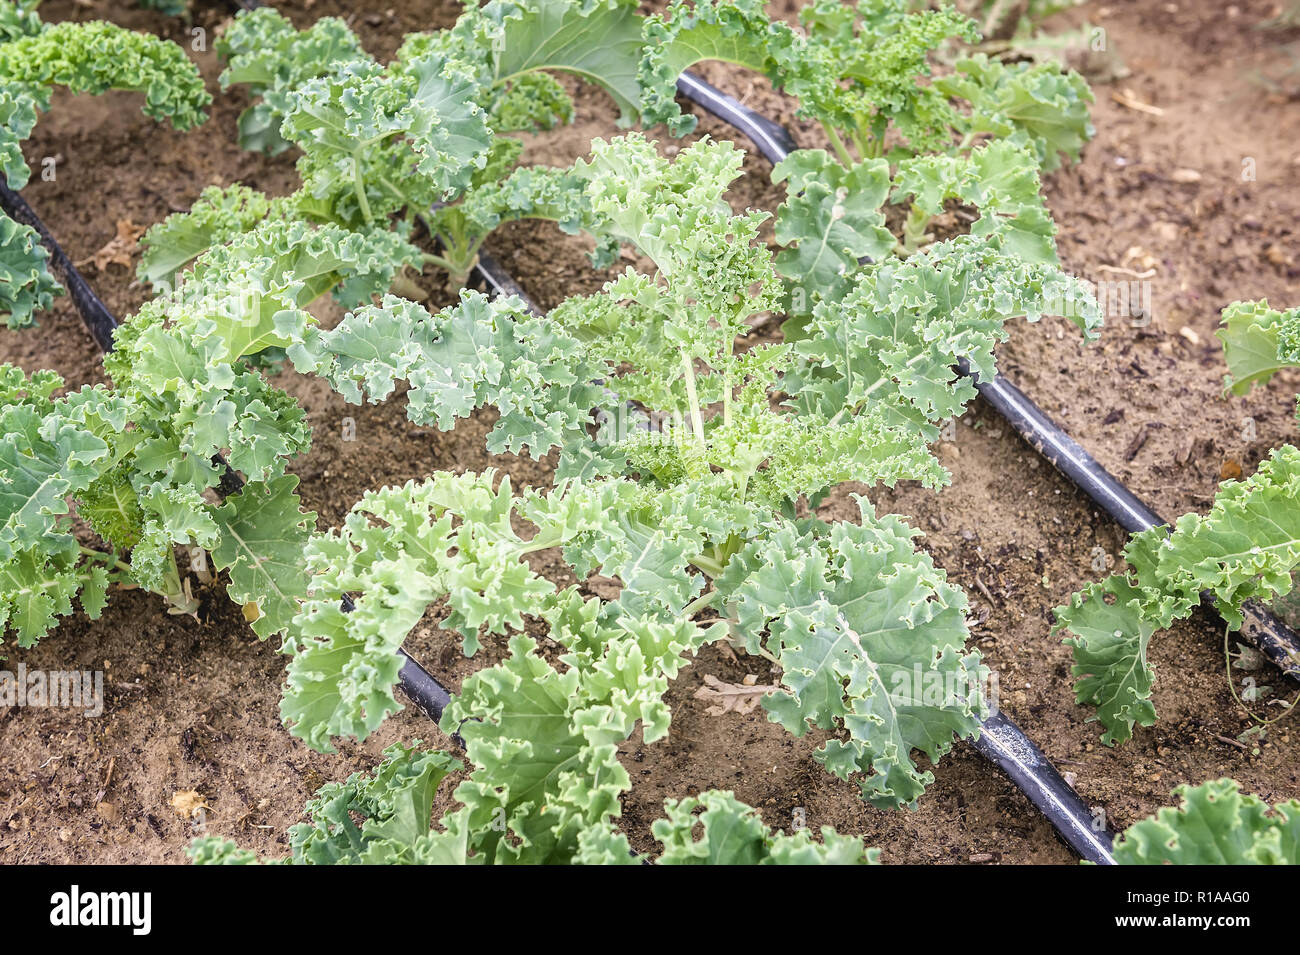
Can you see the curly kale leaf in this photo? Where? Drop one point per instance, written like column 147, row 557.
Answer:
column 512, row 42
column 17, row 120
column 872, row 641
column 830, row 220
column 376, row 141
column 1257, row 342
column 401, row 549
column 688, row 32
column 265, row 52
column 219, row 214
column 731, row 833
column 96, row 57
column 26, row 285
column 1037, row 106
column 1246, row 547
column 893, row 342
column 1001, row 180
column 1216, row 824
column 262, row 536
column 18, row 18
column 478, row 353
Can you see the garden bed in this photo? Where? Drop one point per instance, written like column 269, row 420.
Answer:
column 192, row 704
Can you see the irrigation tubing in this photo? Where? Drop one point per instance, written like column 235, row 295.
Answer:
column 1005, row 744
column 99, row 320
column 428, row 695
column 1278, row 642
column 1001, row 741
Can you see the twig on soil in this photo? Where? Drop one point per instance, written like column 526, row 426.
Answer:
column 1231, row 742
column 1126, row 98
column 1120, row 270
column 108, row 780
column 1136, row 445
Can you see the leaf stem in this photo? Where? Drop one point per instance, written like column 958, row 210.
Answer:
column 430, row 258
column 837, row 143
column 110, row 559
column 699, row 603
column 358, row 187
column 697, row 419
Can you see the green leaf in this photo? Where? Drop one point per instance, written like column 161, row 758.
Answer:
column 401, row 549
column 96, row 57
column 264, row 51
column 732, row 833
column 213, row 850
column 1110, row 652
column 217, row 215
column 1001, row 180
column 394, row 805
column 42, row 462
column 596, row 40
column 36, row 589
column 26, row 285
column 1216, row 824
column 17, row 120
column 376, row 141
column 263, row 536
column 687, row 33
column 872, row 640
column 51, row 451
column 894, row 340
column 18, row 18
column 829, row 221
column 475, row 354
column 252, row 283
column 866, row 72
column 1034, row 105
column 1257, row 342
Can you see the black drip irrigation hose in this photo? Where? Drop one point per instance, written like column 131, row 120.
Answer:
column 500, row 283
column 1005, row 744
column 428, row 695
column 99, row 320
column 773, row 140
column 1001, row 741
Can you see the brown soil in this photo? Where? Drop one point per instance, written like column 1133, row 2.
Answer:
column 193, row 704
